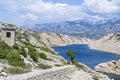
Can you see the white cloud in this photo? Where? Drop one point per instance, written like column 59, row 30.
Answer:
column 29, row 16
column 43, row 12
column 100, row 6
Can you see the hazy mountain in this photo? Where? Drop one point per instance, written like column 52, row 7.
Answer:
column 93, row 29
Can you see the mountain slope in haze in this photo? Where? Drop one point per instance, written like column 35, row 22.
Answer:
column 109, row 43
column 81, row 28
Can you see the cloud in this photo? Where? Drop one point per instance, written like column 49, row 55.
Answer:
column 29, row 16
column 100, row 6
column 40, row 11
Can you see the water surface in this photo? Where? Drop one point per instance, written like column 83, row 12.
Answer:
column 87, row 56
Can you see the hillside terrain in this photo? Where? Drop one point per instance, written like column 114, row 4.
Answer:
column 80, row 28
column 109, row 43
column 32, row 54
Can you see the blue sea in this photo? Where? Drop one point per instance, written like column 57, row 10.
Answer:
column 85, row 55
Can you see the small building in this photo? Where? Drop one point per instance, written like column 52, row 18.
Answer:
column 8, row 35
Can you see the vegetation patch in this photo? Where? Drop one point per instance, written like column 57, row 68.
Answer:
column 95, row 78
column 10, row 54
column 43, row 56
column 16, row 70
column 47, row 50
column 32, row 51
column 43, row 66
column 58, row 65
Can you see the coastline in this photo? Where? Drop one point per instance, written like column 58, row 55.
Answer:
column 104, row 49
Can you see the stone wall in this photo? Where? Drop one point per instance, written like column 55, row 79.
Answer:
column 61, row 73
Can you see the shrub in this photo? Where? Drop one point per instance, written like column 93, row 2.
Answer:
column 15, row 46
column 43, row 56
column 16, row 70
column 4, row 49
column 22, row 52
column 72, row 56
column 58, row 65
column 34, row 56
column 47, row 50
column 95, row 78
column 32, row 52
column 7, row 52
column 79, row 66
column 43, row 66
column 14, row 59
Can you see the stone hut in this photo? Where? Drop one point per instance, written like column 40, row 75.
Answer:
column 8, row 35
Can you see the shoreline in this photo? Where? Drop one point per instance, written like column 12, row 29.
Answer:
column 90, row 47
column 112, row 52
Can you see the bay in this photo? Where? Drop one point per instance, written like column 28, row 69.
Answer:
column 86, row 55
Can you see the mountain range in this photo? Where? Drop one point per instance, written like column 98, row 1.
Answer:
column 93, row 29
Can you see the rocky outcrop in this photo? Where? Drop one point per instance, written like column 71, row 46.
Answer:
column 109, row 43
column 53, row 39
column 109, row 67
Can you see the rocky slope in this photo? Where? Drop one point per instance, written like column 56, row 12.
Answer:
column 109, row 67
column 112, row 68
column 109, row 43
column 53, row 39
column 32, row 50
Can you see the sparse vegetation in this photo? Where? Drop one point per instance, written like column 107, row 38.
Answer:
column 95, row 78
column 47, row 50
column 22, row 52
column 43, row 56
column 13, row 57
column 58, row 65
column 43, row 66
column 32, row 51
column 72, row 56
column 79, row 66
column 17, row 70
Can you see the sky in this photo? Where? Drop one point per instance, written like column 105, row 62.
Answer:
column 21, row 12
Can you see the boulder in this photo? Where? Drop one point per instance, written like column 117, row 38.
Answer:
column 3, row 74
column 1, row 69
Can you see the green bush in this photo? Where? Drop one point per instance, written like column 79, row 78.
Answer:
column 79, row 66
column 43, row 66
column 14, row 59
column 72, row 56
column 22, row 52
column 58, row 65
column 7, row 52
column 95, row 78
column 43, row 56
column 16, row 70
column 47, row 50
column 15, row 46
column 32, row 52
column 4, row 49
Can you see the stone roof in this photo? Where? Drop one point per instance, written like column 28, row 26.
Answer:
column 10, row 29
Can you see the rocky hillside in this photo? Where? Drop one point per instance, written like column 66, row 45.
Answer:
column 32, row 53
column 109, row 43
column 112, row 68
column 53, row 39
column 80, row 28
column 28, row 53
